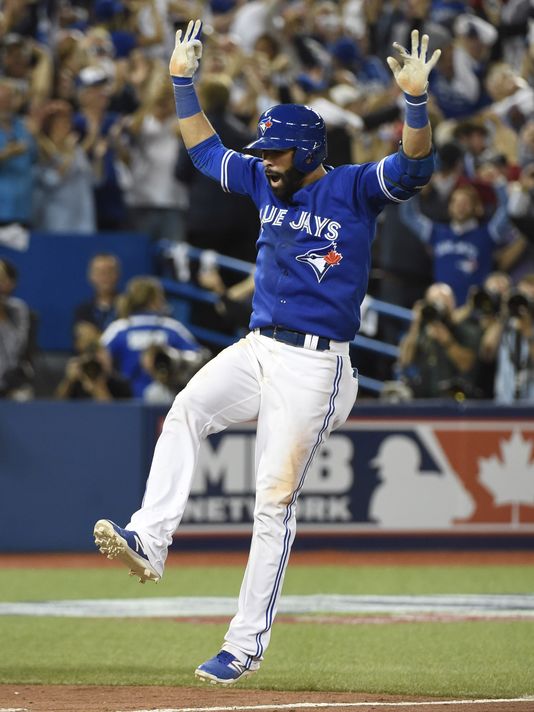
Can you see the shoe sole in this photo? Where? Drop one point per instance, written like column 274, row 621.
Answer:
column 206, row 677
column 114, row 546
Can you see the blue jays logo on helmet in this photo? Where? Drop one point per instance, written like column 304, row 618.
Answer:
column 264, row 125
column 292, row 126
column 321, row 259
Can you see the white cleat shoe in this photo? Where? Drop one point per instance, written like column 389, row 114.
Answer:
column 117, row 543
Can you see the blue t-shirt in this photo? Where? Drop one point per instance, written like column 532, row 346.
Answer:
column 127, row 339
column 462, row 256
column 314, row 252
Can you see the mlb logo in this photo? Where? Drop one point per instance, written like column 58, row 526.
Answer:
column 457, row 476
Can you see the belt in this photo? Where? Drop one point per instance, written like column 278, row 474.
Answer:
column 296, row 338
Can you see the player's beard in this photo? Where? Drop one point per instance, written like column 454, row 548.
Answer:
column 289, row 182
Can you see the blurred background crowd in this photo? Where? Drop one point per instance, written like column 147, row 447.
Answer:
column 89, row 142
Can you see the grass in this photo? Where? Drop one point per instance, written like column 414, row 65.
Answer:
column 50, row 584
column 464, row 659
column 458, row 659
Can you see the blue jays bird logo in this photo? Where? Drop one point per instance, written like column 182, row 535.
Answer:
column 321, row 259
column 265, row 125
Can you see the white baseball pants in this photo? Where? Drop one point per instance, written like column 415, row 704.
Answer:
column 298, row 396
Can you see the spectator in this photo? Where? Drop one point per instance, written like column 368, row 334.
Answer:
column 143, row 323
column 90, row 374
column 473, row 138
column 463, row 249
column 17, row 155
column 456, row 90
column 16, row 372
column 475, row 39
column 131, row 24
column 170, row 370
column 513, row 98
column 63, row 191
column 435, row 196
column 103, row 275
column 157, row 200
column 521, row 201
column 511, row 341
column 29, row 65
column 216, row 229
column 481, row 311
column 437, row 356
column 99, row 130
column 526, row 143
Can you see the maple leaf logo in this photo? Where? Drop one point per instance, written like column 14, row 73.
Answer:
column 333, row 257
column 511, row 478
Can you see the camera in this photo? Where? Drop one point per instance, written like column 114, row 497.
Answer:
column 486, row 303
column 517, row 302
column 432, row 312
column 91, row 368
column 163, row 362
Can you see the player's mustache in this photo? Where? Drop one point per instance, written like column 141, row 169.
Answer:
column 273, row 174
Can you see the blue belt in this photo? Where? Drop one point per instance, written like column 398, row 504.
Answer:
column 296, row 338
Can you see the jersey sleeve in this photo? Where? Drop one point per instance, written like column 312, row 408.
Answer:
column 500, row 228
column 180, row 337
column 394, row 179
column 411, row 215
column 113, row 339
column 235, row 172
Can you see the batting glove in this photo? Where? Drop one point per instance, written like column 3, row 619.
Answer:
column 412, row 76
column 187, row 51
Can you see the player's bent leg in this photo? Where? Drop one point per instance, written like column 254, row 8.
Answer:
column 118, row 543
column 225, row 391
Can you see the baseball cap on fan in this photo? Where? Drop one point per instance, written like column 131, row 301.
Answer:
column 92, row 77
column 475, row 28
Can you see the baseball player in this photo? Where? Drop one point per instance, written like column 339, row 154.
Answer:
column 292, row 372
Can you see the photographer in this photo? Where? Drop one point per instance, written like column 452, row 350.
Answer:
column 170, row 370
column 437, row 356
column 482, row 311
column 16, row 371
column 144, row 322
column 510, row 340
column 90, row 376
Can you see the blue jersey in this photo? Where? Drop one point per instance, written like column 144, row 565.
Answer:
column 462, row 255
column 126, row 339
column 314, row 252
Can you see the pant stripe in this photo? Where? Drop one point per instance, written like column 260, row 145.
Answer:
column 285, row 550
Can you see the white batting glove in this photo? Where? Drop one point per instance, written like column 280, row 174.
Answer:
column 412, row 77
column 187, row 51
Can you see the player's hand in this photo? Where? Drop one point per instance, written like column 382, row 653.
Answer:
column 187, row 51
column 412, row 76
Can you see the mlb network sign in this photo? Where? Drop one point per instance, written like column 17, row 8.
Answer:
column 454, row 474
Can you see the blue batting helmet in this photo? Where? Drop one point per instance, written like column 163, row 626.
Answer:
column 295, row 126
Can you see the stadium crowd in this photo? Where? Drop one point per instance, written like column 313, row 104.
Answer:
column 89, row 142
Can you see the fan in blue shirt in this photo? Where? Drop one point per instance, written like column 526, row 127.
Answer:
column 144, row 324
column 463, row 249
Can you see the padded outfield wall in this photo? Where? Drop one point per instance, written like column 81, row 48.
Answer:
column 420, row 475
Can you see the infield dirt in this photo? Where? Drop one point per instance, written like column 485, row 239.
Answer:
column 70, row 698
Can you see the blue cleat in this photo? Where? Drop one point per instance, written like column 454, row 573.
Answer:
column 225, row 669
column 118, row 543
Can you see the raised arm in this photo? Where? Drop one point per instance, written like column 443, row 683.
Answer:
column 412, row 78
column 194, row 125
